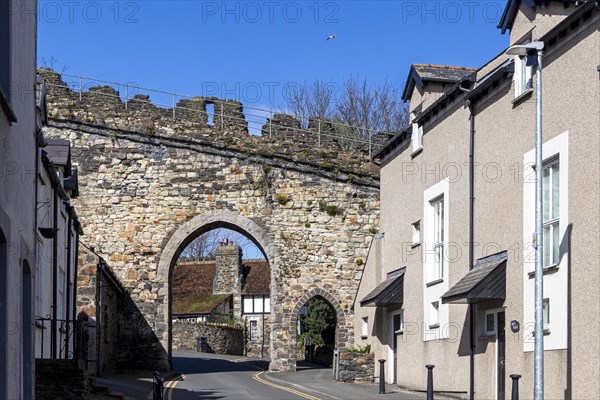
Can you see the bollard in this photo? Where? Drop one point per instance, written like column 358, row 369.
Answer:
column 381, row 376
column 430, row 381
column 515, row 386
column 157, row 386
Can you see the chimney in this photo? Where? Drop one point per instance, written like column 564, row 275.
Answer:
column 228, row 268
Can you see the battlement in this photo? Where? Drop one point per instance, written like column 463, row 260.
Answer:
column 223, row 123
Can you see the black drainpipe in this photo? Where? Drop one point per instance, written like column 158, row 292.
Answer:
column 99, row 290
column 76, row 332
column 471, row 105
column 54, row 271
column 68, row 303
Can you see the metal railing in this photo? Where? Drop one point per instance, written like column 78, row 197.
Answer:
column 254, row 120
column 68, row 341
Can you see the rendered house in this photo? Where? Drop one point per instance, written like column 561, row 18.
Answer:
column 19, row 130
column 227, row 287
column 57, row 236
column 457, row 219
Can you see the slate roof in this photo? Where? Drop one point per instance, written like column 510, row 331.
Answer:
column 442, row 72
column 192, row 285
column 59, row 152
column 390, row 292
column 420, row 73
column 485, row 282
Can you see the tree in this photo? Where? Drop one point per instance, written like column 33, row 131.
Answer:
column 360, row 109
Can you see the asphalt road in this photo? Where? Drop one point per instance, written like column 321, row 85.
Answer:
column 225, row 377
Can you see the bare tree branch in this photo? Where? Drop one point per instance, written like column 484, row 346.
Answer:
column 365, row 108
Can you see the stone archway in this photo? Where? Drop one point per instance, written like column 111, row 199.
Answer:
column 184, row 235
column 341, row 333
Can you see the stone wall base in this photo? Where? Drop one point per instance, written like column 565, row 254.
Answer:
column 356, row 367
column 60, row 380
column 216, row 339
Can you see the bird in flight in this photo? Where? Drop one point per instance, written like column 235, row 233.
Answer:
column 330, row 37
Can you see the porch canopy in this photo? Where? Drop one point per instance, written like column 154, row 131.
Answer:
column 485, row 282
column 388, row 293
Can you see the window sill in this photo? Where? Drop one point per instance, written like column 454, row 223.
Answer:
column 416, row 152
column 434, row 326
column 416, row 244
column 522, row 97
column 547, row 270
column 546, row 331
column 433, row 283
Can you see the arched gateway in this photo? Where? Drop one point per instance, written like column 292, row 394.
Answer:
column 191, row 230
column 151, row 180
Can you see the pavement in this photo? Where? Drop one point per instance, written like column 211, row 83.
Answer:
column 211, row 376
column 317, row 381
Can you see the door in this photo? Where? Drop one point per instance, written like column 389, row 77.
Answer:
column 501, row 346
column 395, row 328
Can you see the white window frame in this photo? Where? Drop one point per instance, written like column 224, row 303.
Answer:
column 552, row 222
column 556, row 276
column 365, row 327
column 416, row 232
column 523, row 76
column 248, row 304
column 417, row 137
column 433, row 289
column 256, row 304
column 253, row 329
column 439, row 246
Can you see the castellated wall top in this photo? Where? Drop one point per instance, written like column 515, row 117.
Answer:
column 281, row 135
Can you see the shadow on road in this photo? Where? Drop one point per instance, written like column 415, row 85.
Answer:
column 211, row 364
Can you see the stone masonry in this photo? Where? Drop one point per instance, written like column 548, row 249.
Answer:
column 150, row 183
column 219, row 339
column 227, row 277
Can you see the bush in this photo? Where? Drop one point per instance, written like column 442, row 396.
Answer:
column 282, row 199
column 360, row 350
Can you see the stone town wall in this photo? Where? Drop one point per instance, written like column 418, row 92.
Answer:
column 317, row 207
column 356, row 367
column 104, row 106
column 111, row 315
column 219, row 339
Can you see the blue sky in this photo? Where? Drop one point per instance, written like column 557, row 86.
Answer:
column 253, row 51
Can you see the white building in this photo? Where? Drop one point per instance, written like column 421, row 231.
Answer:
column 57, row 235
column 18, row 133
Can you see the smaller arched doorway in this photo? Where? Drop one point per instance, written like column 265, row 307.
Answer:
column 315, row 330
column 316, row 320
